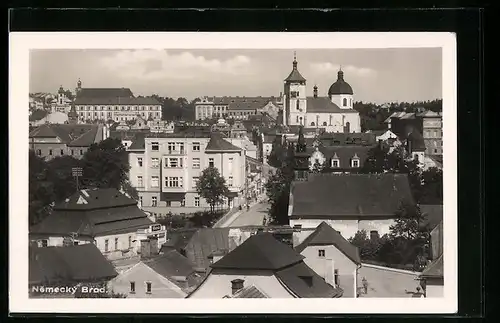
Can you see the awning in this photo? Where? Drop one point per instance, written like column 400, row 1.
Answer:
column 173, row 196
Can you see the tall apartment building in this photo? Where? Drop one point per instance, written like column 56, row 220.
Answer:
column 432, row 124
column 165, row 168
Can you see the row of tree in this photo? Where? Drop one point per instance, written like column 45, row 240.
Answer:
column 104, row 165
column 176, row 110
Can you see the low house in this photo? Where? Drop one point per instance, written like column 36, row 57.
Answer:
column 332, row 257
column 104, row 217
column 432, row 278
column 67, row 266
column 167, row 275
column 52, row 140
column 204, row 243
column 348, row 202
column 271, row 266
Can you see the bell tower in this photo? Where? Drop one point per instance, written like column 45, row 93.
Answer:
column 295, row 97
column 301, row 158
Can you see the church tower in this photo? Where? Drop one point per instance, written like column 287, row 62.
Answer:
column 78, row 87
column 301, row 158
column 295, row 97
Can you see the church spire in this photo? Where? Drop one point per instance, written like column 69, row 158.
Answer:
column 294, row 60
column 340, row 74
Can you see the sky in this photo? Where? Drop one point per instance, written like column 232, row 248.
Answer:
column 376, row 75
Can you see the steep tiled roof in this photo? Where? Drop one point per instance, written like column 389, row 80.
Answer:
column 79, row 263
column 204, row 242
column 38, row 115
column 70, row 134
column 349, row 195
column 104, row 92
column 295, row 75
column 306, row 283
column 171, row 265
column 325, row 105
column 178, row 239
column 260, row 251
column 434, row 270
column 95, row 199
column 325, row 235
column 116, row 101
column 138, row 142
column 249, row 292
column 344, row 154
column 217, row 143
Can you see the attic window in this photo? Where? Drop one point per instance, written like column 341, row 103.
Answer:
column 321, row 253
column 335, row 163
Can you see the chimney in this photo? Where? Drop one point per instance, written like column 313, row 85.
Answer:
column 145, row 248
column 236, row 285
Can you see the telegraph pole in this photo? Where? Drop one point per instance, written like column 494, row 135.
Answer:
column 77, row 172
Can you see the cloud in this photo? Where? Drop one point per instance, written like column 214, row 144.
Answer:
column 329, row 68
column 160, row 64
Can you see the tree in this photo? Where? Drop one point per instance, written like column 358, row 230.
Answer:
column 106, row 164
column 369, row 248
column 408, row 223
column 41, row 191
column 212, row 187
column 277, row 154
column 130, row 190
column 60, row 174
column 431, row 191
column 318, row 167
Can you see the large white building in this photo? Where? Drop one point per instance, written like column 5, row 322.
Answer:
column 117, row 104
column 164, row 168
column 333, row 113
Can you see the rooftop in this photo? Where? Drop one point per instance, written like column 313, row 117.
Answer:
column 218, row 143
column 326, row 235
column 349, row 195
column 80, row 263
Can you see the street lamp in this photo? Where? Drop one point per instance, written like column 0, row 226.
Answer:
column 77, row 172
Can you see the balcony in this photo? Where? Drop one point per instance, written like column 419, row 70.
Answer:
column 177, row 152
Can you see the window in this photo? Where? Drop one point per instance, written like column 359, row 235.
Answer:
column 81, row 152
column 321, row 253
column 39, row 152
column 230, row 181
column 130, row 242
column 355, row 163
column 174, row 162
column 155, row 146
column 324, row 123
column 106, row 245
column 155, row 162
column 174, row 182
column 210, row 162
column 132, row 287
column 196, row 146
column 139, row 161
column 435, row 150
column 344, row 102
column 313, row 124
column 116, row 243
column 168, row 203
column 154, row 201
column 335, row 163
column 294, row 94
column 140, row 200
column 50, row 152
column 155, row 181
column 336, row 276
column 183, row 202
column 72, row 152
column 297, row 226
column 148, row 287
column 196, row 163
column 171, row 147
column 139, row 181
column 230, row 165
column 45, row 243
column 196, row 201
column 195, row 181
column 62, row 152
column 374, row 234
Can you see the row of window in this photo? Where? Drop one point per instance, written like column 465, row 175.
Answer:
column 178, row 163
column 175, row 182
column 61, row 152
column 110, row 114
column 175, row 146
column 204, row 115
column 106, row 244
column 118, row 108
column 148, row 287
column 335, row 163
column 154, row 201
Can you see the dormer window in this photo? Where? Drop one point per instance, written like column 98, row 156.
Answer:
column 335, row 163
column 355, row 161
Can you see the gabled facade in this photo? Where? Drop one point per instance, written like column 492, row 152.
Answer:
column 271, row 266
column 332, row 257
column 348, row 202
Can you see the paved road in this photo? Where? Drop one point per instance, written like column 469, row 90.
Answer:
column 385, row 283
column 254, row 216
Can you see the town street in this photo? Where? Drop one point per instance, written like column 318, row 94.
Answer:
column 254, row 216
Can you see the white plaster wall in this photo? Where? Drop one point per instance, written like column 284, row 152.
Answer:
column 338, row 100
column 219, row 285
column 347, row 228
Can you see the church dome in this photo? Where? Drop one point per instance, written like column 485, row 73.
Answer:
column 340, row 86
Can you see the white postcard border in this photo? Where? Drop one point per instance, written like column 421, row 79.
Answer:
column 21, row 43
